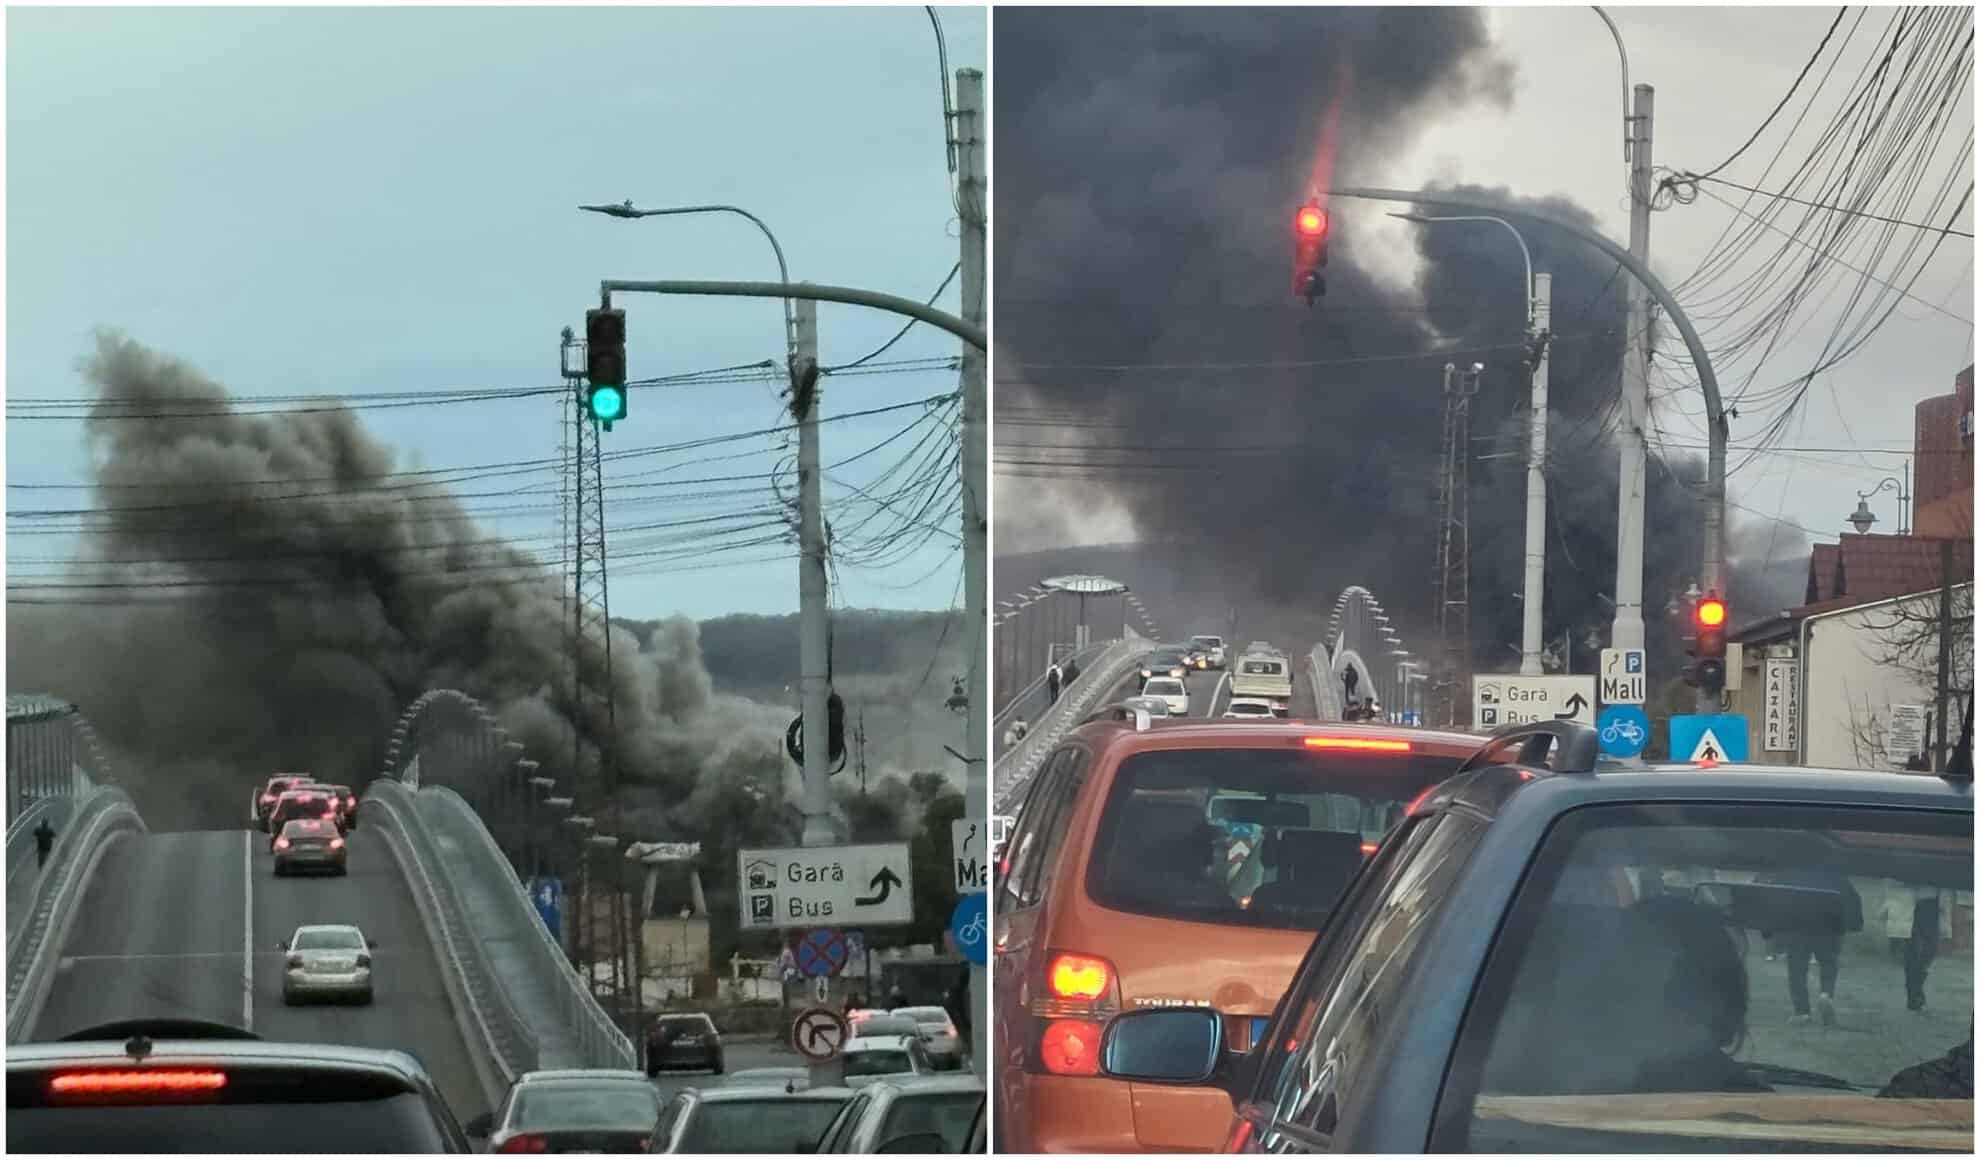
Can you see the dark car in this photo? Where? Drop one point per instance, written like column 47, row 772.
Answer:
column 205, row 1088
column 747, row 1120
column 300, row 803
column 1558, row 955
column 574, row 1110
column 683, row 1041
column 1165, row 662
column 310, row 844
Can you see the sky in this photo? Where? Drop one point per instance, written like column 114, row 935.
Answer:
column 1717, row 73
column 361, row 202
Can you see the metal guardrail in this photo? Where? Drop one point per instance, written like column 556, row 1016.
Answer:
column 1084, row 657
column 34, row 951
column 505, row 1033
column 599, row 1043
column 1013, row 770
column 23, row 879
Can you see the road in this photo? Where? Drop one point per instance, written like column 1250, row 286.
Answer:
column 186, row 924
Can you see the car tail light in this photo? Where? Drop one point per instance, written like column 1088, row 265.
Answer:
column 295, row 960
column 336, row 843
column 1084, row 977
column 364, row 961
column 1361, row 744
column 1239, row 1137
column 281, row 843
column 330, row 815
column 1368, row 848
column 527, row 1142
column 160, row 1079
column 1070, row 1047
column 266, row 798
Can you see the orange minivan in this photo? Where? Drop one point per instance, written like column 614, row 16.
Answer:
column 1175, row 863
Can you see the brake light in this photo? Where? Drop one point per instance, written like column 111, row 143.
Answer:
column 148, row 1080
column 1367, row 848
column 1078, row 977
column 1070, row 1047
column 281, row 843
column 336, row 843
column 528, row 1142
column 1363, row 744
column 330, row 816
column 266, row 798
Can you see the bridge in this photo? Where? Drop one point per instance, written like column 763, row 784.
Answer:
column 1360, row 640
column 123, row 921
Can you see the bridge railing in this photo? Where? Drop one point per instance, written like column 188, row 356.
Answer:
column 1014, row 769
column 34, row 945
column 1030, row 699
column 1328, row 700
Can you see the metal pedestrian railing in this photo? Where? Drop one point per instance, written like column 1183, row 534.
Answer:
column 1014, row 769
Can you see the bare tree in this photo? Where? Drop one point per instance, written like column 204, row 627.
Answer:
column 1908, row 633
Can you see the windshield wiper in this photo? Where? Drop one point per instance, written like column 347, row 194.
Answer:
column 1799, row 1077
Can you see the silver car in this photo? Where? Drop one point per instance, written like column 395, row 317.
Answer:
column 938, row 1035
column 327, row 962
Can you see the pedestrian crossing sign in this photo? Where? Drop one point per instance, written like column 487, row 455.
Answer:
column 1708, row 737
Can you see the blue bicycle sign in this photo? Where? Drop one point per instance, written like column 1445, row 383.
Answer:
column 1624, row 730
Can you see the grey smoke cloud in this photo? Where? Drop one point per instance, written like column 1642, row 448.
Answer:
column 302, row 625
column 1148, row 165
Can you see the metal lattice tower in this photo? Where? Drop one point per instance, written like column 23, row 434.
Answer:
column 1453, row 672
column 593, row 709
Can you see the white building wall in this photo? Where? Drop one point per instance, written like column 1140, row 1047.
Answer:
column 1848, row 691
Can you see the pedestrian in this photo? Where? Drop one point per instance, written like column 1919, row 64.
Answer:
column 44, row 841
column 1072, row 670
column 1053, row 678
column 1915, row 920
column 1016, row 732
column 1825, row 947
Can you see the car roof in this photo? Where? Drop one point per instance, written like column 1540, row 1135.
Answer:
column 729, row 1095
column 1275, row 733
column 1488, row 789
column 562, row 1074
column 928, row 1009
column 876, row 1043
column 311, row 926
column 221, row 1053
column 906, row 1085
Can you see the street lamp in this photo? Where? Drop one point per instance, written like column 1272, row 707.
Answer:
column 1538, row 317
column 626, row 210
column 1863, row 517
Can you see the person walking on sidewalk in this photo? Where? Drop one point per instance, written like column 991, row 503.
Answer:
column 1053, row 679
column 1916, row 919
column 44, row 841
column 1825, row 947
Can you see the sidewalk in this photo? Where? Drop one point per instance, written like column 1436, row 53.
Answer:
column 1875, row 1036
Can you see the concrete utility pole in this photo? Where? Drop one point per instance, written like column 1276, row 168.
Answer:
column 1627, row 630
column 1536, row 481
column 813, row 682
column 972, row 203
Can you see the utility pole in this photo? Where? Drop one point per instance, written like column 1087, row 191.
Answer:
column 972, row 188
column 814, row 682
column 1453, row 670
column 1535, row 588
column 1626, row 632
column 1939, row 752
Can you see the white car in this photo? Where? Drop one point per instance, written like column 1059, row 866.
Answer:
column 938, row 1035
column 1249, row 709
column 1170, row 691
column 327, row 962
column 871, row 1057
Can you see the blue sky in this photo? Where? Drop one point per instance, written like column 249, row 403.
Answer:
column 356, row 201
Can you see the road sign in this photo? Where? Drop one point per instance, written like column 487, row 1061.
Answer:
column 1510, row 699
column 971, row 927
column 1708, row 737
column 1624, row 730
column 1623, row 679
column 966, row 842
column 1904, row 737
column 818, row 1033
column 1782, row 723
column 821, row 952
column 826, row 886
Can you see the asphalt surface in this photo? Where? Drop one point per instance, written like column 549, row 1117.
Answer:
column 186, row 925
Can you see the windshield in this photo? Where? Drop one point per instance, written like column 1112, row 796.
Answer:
column 1248, row 837
column 1207, row 641
column 689, row 1024
column 586, row 1105
column 945, row 1114
column 930, row 1016
column 758, row 1126
column 884, row 1061
column 1163, row 687
column 327, row 940
column 1802, row 976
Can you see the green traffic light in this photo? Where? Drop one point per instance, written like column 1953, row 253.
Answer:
column 608, row 404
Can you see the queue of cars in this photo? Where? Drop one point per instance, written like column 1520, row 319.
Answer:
column 1292, row 937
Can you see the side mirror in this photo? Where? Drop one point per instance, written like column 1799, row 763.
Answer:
column 923, row 1143
column 1176, row 1045
column 282, row 946
column 482, row 1125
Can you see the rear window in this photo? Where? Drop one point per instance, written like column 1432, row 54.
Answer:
column 328, row 940
column 687, row 1023
column 586, row 1105
column 306, row 828
column 1243, row 709
column 1163, row 687
column 1262, row 668
column 949, row 1115
column 883, row 1062
column 1248, row 837
column 289, row 1111
column 758, row 1126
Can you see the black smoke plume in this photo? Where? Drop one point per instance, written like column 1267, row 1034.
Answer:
column 1148, row 165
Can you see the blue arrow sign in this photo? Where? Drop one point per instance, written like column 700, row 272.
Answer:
column 971, row 927
column 1624, row 729
column 1713, row 736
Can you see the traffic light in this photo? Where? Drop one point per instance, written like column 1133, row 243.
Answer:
column 1310, row 236
column 1707, row 644
column 605, row 365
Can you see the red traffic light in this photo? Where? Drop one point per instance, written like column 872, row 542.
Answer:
column 1711, row 612
column 1311, row 221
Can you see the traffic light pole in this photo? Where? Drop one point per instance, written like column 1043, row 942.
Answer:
column 970, row 333
column 1714, row 521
